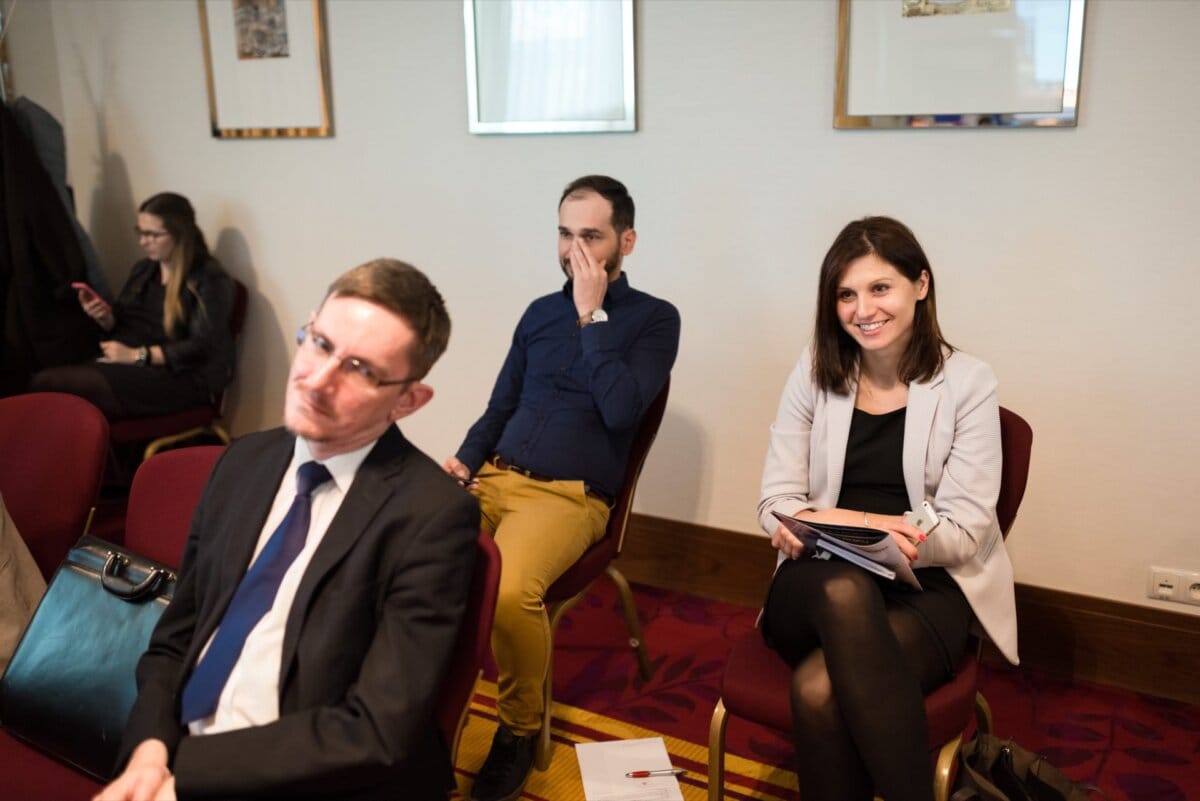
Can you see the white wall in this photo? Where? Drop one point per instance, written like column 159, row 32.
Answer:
column 1063, row 257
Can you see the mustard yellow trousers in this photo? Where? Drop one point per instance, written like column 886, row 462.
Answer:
column 541, row 529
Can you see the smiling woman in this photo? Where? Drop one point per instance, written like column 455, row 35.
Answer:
column 881, row 416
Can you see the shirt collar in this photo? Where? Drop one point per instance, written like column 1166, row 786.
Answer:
column 342, row 467
column 616, row 289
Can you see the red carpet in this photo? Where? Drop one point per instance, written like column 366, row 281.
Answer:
column 1135, row 747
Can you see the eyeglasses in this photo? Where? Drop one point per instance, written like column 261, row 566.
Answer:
column 317, row 347
column 156, row 235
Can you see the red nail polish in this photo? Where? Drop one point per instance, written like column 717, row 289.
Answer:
column 922, row 538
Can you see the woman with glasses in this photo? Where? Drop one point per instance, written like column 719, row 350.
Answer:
column 167, row 342
column 880, row 417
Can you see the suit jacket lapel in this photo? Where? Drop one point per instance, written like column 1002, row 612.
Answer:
column 240, row 534
column 839, row 413
column 369, row 491
column 923, row 402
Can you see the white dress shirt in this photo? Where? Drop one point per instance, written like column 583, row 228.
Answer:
column 251, row 695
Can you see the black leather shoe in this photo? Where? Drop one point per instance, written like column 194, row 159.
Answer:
column 506, row 768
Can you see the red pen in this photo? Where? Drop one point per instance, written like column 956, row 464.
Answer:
column 646, row 774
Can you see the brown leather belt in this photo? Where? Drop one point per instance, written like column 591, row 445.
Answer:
column 500, row 462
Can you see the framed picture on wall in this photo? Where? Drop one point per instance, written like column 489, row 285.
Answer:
column 267, row 68
column 547, row 66
column 958, row 63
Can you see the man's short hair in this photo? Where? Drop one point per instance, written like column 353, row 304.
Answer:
column 405, row 291
column 611, row 190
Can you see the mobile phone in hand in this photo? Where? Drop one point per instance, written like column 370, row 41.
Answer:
column 90, row 295
column 925, row 518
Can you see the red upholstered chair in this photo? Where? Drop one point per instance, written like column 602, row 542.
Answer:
column 757, row 681
column 474, row 643
column 596, row 560
column 162, row 501
column 164, row 430
column 52, row 452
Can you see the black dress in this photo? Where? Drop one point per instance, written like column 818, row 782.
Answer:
column 199, row 357
column 873, row 480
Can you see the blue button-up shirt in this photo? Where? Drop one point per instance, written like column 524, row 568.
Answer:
column 568, row 400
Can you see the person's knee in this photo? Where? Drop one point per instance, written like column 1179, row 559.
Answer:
column 44, row 381
column 847, row 592
column 812, row 691
column 515, row 598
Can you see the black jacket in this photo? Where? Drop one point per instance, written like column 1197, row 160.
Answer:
column 203, row 344
column 41, row 324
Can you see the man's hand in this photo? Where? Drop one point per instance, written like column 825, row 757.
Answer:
column 456, row 468
column 146, row 777
column 460, row 471
column 589, row 279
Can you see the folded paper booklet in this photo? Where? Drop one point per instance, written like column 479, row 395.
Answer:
column 870, row 548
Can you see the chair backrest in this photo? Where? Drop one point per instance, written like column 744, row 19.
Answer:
column 618, row 519
column 474, row 641
column 163, row 498
column 52, row 453
column 1016, row 443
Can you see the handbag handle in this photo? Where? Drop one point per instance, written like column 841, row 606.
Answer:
column 123, row 587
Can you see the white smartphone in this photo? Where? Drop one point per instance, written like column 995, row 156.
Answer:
column 924, row 518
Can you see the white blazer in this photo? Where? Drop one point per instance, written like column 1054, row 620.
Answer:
column 951, row 456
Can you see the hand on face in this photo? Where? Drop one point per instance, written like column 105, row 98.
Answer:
column 589, row 278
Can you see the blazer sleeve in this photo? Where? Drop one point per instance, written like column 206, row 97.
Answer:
column 785, row 483
column 375, row 728
column 969, row 484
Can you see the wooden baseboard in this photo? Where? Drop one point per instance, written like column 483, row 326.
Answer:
column 1075, row 636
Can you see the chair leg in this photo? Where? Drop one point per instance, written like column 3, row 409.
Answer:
column 716, row 752
column 213, row 429
column 632, row 621
column 983, row 714
column 462, row 720
column 943, row 772
column 165, row 442
column 545, row 746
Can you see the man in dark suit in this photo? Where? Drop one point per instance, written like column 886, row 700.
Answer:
column 323, row 582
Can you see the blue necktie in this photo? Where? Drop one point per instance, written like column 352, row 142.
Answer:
column 255, row 595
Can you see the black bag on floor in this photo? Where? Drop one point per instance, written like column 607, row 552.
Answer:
column 70, row 685
column 1000, row 770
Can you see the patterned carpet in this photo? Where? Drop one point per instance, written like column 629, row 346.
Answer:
column 745, row 779
column 1135, row 747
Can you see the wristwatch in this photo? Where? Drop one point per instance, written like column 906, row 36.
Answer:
column 597, row 316
column 143, row 356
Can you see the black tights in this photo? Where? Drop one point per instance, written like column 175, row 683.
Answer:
column 84, row 380
column 862, row 669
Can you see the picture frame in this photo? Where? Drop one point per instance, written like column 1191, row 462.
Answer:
column 958, row 63
column 546, row 66
column 267, row 68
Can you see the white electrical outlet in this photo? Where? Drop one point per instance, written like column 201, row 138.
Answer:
column 1173, row 584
